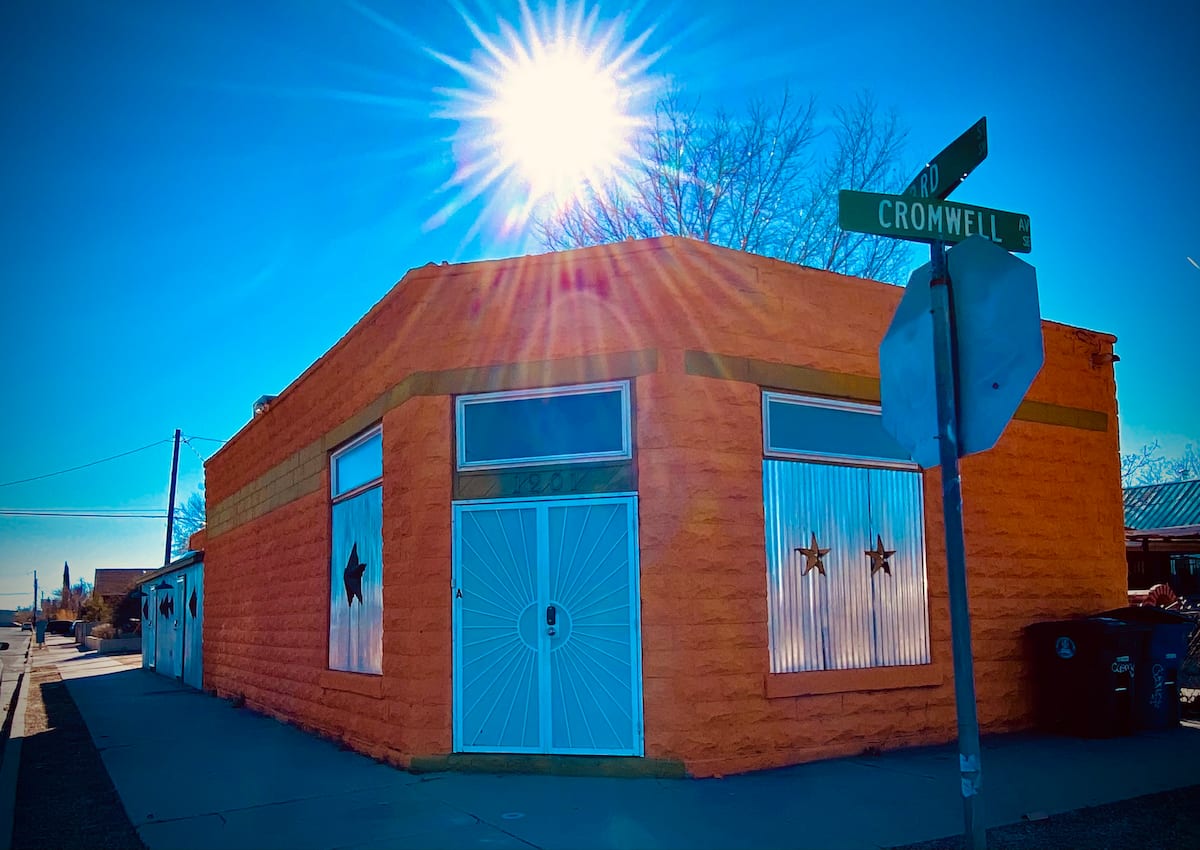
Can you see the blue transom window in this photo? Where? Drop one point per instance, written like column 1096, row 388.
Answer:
column 544, row 426
column 825, row 430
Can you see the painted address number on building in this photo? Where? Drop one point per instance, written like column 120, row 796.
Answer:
column 545, row 482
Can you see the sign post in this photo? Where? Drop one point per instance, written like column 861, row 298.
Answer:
column 945, row 359
column 922, row 214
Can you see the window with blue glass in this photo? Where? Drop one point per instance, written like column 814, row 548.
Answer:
column 356, row 556
column 589, row 422
column 827, row 430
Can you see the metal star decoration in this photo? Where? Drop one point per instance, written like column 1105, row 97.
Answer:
column 879, row 557
column 352, row 577
column 812, row 556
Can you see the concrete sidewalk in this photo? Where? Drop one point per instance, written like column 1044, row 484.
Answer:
column 192, row 771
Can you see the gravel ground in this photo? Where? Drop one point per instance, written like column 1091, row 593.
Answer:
column 65, row 799
column 1164, row 821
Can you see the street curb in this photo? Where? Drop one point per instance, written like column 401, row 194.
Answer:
column 12, row 756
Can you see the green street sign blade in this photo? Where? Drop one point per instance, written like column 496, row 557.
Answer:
column 927, row 220
column 948, row 169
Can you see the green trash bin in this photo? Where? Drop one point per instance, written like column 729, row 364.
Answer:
column 1084, row 673
column 1156, row 688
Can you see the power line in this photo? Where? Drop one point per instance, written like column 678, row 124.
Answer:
column 188, row 442
column 82, row 511
column 80, row 515
column 114, row 511
column 209, row 439
column 111, row 513
column 83, row 466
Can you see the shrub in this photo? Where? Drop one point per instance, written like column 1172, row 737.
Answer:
column 96, row 610
column 104, row 631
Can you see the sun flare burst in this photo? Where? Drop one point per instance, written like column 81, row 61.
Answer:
column 548, row 107
column 559, row 119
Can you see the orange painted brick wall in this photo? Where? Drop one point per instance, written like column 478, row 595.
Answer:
column 1043, row 509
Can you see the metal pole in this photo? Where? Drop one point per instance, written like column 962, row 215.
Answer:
column 35, row 597
column 946, row 379
column 171, row 500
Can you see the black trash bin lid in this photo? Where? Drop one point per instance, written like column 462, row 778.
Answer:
column 1147, row 614
column 1097, row 623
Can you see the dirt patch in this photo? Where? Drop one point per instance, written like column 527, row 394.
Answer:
column 1164, row 821
column 64, row 796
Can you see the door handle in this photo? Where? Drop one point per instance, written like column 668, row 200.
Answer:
column 551, row 615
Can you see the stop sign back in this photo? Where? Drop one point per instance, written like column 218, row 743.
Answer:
column 999, row 350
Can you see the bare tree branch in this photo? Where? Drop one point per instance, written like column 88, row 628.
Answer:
column 189, row 518
column 764, row 182
column 1146, row 466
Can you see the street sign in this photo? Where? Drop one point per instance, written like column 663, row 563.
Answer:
column 999, row 334
column 927, row 220
column 949, row 168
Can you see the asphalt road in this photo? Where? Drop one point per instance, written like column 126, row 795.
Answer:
column 13, row 658
column 18, row 641
column 12, row 661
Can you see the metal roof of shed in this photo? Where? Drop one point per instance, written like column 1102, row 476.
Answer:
column 1163, row 505
column 188, row 558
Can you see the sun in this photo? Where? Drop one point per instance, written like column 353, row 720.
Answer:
column 559, row 119
column 550, row 105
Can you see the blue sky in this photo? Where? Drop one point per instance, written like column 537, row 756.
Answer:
column 202, row 197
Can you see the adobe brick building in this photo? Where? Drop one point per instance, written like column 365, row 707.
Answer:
column 635, row 501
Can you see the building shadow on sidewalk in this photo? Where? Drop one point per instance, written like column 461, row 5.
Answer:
column 65, row 798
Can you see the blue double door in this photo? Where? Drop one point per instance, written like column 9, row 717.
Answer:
column 547, row 640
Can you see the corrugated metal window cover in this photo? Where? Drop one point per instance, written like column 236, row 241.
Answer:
column 356, row 584
column 848, row 617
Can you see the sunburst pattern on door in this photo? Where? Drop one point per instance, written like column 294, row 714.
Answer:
column 547, row 652
column 591, row 677
column 498, row 629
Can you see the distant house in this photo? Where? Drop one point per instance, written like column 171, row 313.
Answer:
column 112, row 585
column 1162, row 536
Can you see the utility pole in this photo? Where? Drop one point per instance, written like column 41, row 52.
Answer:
column 171, row 499
column 35, row 598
